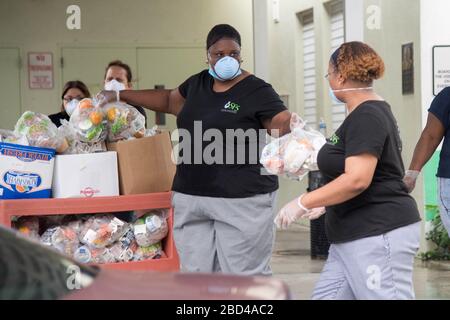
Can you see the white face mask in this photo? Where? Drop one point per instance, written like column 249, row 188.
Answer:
column 71, row 106
column 114, row 85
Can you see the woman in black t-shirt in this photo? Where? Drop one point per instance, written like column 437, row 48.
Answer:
column 371, row 221
column 73, row 93
column 224, row 204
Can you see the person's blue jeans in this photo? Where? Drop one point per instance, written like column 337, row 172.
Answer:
column 444, row 201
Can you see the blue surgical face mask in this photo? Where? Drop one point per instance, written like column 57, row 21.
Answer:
column 333, row 97
column 336, row 100
column 226, row 69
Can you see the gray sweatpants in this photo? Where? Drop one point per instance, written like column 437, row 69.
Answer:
column 374, row 268
column 234, row 236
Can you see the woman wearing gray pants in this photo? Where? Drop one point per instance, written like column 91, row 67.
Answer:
column 372, row 222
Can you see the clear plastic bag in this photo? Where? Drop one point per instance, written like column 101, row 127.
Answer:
column 294, row 154
column 101, row 256
column 124, row 122
column 11, row 137
column 88, row 122
column 40, row 131
column 152, row 132
column 64, row 239
column 28, row 226
column 101, row 231
column 151, row 228
column 151, row 252
column 76, row 146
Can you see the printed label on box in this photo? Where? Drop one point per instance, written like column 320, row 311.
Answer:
column 25, row 172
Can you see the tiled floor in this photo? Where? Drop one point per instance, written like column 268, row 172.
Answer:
column 291, row 262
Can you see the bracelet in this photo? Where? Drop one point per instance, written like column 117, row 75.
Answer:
column 299, row 202
column 117, row 96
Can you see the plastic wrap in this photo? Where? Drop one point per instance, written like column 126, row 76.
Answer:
column 124, row 249
column 40, row 131
column 88, row 122
column 124, row 122
column 74, row 145
column 101, row 231
column 64, row 239
column 151, row 252
column 151, row 228
column 11, row 137
column 28, row 226
column 294, row 154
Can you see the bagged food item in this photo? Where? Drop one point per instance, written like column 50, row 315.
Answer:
column 75, row 146
column 40, row 131
column 63, row 239
column 152, row 132
column 101, row 255
column 294, row 154
column 151, row 252
column 48, row 222
column 101, row 231
column 8, row 136
column 28, row 226
column 88, row 122
column 151, row 228
column 124, row 122
column 83, row 255
column 123, row 250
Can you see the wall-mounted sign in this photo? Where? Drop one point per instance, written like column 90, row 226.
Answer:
column 408, row 68
column 441, row 68
column 40, row 70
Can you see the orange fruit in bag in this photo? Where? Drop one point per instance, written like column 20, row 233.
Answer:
column 86, row 104
column 96, row 118
column 111, row 114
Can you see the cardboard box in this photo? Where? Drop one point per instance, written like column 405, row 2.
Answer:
column 145, row 165
column 86, row 175
column 25, row 172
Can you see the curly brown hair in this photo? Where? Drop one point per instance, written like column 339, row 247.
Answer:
column 358, row 62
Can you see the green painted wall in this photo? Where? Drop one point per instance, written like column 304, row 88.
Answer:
column 430, row 184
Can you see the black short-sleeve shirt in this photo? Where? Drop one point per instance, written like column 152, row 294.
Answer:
column 385, row 205
column 441, row 109
column 57, row 117
column 235, row 171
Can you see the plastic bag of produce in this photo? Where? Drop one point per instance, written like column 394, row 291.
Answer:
column 76, row 146
column 124, row 122
column 151, row 252
column 28, row 226
column 8, row 136
column 40, row 131
column 101, row 231
column 63, row 239
column 88, row 121
column 151, row 228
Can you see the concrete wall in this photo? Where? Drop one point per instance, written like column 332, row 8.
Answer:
column 286, row 65
column 434, row 32
column 33, row 25
column 400, row 24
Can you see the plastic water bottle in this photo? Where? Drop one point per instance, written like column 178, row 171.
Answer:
column 323, row 127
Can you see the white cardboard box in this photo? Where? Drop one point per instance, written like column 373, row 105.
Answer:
column 86, row 175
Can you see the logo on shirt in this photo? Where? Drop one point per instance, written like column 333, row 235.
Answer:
column 334, row 140
column 231, row 107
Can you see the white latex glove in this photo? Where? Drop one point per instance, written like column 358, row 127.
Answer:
column 290, row 213
column 315, row 213
column 410, row 179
